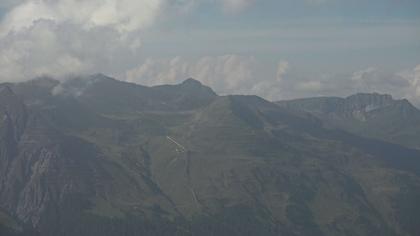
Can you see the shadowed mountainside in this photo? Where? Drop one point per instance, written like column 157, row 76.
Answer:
column 97, row 156
column 370, row 115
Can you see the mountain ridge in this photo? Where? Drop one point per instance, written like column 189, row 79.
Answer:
column 118, row 158
column 370, row 115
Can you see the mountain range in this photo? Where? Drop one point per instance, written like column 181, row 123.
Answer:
column 98, row 156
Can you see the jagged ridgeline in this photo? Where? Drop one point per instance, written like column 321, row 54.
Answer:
column 96, row 156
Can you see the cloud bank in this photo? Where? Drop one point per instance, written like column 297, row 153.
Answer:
column 61, row 37
column 121, row 15
column 235, row 74
column 226, row 74
column 64, row 37
column 58, row 37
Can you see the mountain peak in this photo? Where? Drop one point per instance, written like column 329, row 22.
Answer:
column 102, row 77
column 196, row 86
column 6, row 90
column 192, row 82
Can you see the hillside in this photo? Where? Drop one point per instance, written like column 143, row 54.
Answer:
column 370, row 115
column 97, row 156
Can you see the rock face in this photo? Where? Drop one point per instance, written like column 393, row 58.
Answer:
column 370, row 115
column 97, row 156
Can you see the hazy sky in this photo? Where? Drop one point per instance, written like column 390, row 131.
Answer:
column 277, row 49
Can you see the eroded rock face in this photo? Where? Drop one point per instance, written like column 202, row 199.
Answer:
column 180, row 160
column 370, row 115
column 40, row 167
column 13, row 114
column 12, row 126
column 34, row 169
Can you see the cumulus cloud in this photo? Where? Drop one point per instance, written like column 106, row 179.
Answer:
column 122, row 15
column 402, row 84
column 235, row 74
column 227, row 74
column 282, row 68
column 58, row 37
column 48, row 48
column 381, row 80
column 412, row 80
column 416, row 80
column 62, row 37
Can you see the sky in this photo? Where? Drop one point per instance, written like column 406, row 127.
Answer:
column 277, row 49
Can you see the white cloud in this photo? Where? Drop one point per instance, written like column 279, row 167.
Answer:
column 282, row 68
column 57, row 37
column 416, row 81
column 226, row 74
column 412, row 88
column 61, row 49
column 360, row 76
column 374, row 79
column 366, row 78
column 403, row 84
column 122, row 15
column 61, row 37
column 235, row 74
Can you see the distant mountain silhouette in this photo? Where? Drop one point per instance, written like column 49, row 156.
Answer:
column 370, row 115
